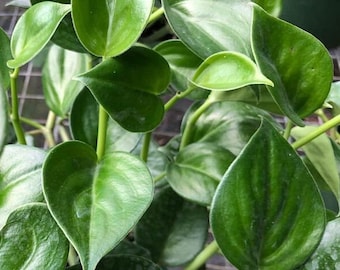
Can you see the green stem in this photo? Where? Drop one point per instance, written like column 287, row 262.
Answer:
column 15, row 108
column 288, row 129
column 320, row 130
column 48, row 130
column 333, row 132
column 102, row 130
column 187, row 134
column 146, row 146
column 179, row 95
column 156, row 15
column 201, row 258
column 159, row 177
column 63, row 133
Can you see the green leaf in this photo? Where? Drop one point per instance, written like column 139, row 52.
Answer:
column 182, row 61
column 334, row 97
column 302, row 71
column 172, row 229
column 108, row 28
column 3, row 119
column 84, row 126
column 208, row 27
column 267, row 212
column 122, row 262
column 127, row 247
column 20, row 178
column 32, row 240
column 60, row 90
column 5, row 55
column 40, row 20
column 225, row 71
column 19, row 3
column 96, row 203
column 273, row 7
column 327, row 255
column 197, row 170
column 128, row 87
column 228, row 124
column 320, row 152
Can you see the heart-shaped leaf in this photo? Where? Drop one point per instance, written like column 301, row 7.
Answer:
column 173, row 230
column 84, row 126
column 20, row 178
column 5, row 55
column 267, row 212
column 208, row 27
column 302, row 71
column 128, row 87
column 327, row 255
column 108, row 28
column 228, row 124
column 31, row 239
column 60, row 89
column 122, row 262
column 40, row 20
column 95, row 203
column 320, row 153
column 197, row 170
column 225, row 71
column 182, row 61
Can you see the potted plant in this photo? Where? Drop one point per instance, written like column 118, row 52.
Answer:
column 110, row 197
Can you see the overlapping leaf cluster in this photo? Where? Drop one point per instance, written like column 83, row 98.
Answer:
column 229, row 165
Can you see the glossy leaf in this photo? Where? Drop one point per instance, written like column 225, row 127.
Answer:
column 31, row 239
column 4, row 57
column 301, row 71
column 173, row 230
column 327, row 255
column 20, row 178
column 128, row 87
column 108, row 28
column 208, row 27
column 182, row 61
column 267, row 212
column 87, row 197
column 320, row 152
column 60, row 90
column 225, row 71
column 197, row 170
column 126, row 247
column 228, row 124
column 84, row 126
column 334, row 97
column 273, row 7
column 122, row 262
column 40, row 20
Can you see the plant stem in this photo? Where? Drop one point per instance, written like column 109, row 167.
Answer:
column 206, row 253
column 187, row 134
column 179, row 95
column 159, row 177
column 19, row 132
column 320, row 130
column 102, row 130
column 146, row 146
column 156, row 15
column 48, row 130
column 288, row 129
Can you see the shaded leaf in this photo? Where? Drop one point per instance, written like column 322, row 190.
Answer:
column 32, row 239
column 108, row 28
column 334, row 97
column 225, row 71
column 302, row 71
column 4, row 57
column 40, row 20
column 267, row 212
column 122, row 262
column 60, row 90
column 128, row 87
column 208, row 28
column 197, row 170
column 20, row 178
column 173, row 230
column 86, row 196
column 320, row 152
